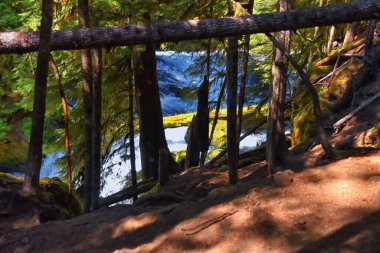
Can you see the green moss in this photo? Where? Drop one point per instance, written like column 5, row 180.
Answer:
column 213, row 153
column 333, row 94
column 179, row 157
column 9, row 177
column 303, row 125
column 13, row 148
column 220, row 134
column 178, row 120
column 55, row 191
column 155, row 189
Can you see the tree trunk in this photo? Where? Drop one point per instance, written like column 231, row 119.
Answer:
column 369, row 38
column 332, row 36
column 23, row 42
column 276, row 144
column 203, row 119
column 96, row 127
column 152, row 135
column 131, row 126
column 192, row 151
column 244, row 74
column 217, row 109
column 163, row 166
column 232, row 143
column 32, row 173
column 314, row 96
column 66, row 118
column 350, row 34
column 87, row 79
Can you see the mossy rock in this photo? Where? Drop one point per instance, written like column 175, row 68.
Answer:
column 333, row 95
column 53, row 193
column 368, row 139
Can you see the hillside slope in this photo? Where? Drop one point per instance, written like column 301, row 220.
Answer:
column 328, row 208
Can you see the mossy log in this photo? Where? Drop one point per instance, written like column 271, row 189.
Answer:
column 332, row 58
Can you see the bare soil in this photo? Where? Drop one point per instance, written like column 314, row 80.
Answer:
column 333, row 205
column 330, row 208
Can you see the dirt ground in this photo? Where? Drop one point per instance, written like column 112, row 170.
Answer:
column 330, row 208
column 333, row 205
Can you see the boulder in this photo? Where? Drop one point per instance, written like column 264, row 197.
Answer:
column 283, row 178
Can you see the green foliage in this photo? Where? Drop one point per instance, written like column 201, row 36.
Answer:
column 17, row 73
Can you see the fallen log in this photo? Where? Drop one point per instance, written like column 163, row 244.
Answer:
column 354, row 112
column 340, row 52
column 94, row 37
column 127, row 193
column 261, row 122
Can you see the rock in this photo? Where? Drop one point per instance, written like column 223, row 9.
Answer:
column 283, row 178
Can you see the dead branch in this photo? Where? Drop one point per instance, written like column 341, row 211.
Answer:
column 354, row 112
column 206, row 224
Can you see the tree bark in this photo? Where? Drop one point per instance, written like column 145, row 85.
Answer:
column 32, row 173
column 332, row 36
column 203, row 119
column 96, row 127
column 217, row 109
column 369, row 38
column 314, row 96
column 66, row 119
column 350, row 34
column 23, row 42
column 276, row 144
column 87, row 79
column 163, row 166
column 232, row 143
column 192, row 151
column 244, row 74
column 131, row 126
column 152, row 134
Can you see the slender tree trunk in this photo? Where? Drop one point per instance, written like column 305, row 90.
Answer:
column 131, row 126
column 369, row 38
column 276, row 144
column 32, row 173
column 152, row 134
column 350, row 34
column 87, row 79
column 232, row 143
column 244, row 74
column 217, row 109
column 332, row 36
column 66, row 119
column 203, row 119
column 96, row 127
column 205, row 110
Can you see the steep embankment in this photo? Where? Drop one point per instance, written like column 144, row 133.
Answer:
column 331, row 207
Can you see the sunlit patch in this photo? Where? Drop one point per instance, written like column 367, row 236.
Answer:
column 342, row 189
column 133, row 223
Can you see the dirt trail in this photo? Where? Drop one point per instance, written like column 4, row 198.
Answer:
column 332, row 208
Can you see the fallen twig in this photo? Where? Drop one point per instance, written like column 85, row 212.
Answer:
column 206, row 224
column 354, row 112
